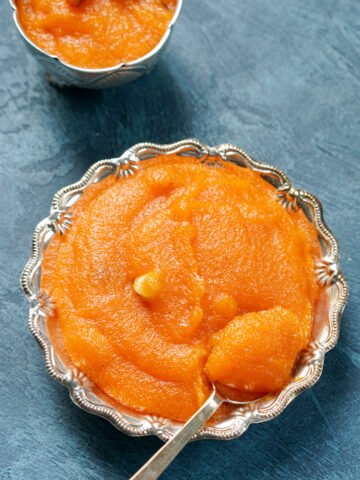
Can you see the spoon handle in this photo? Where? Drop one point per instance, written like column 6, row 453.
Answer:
column 154, row 467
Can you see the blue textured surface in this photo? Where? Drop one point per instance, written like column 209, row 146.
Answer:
column 280, row 79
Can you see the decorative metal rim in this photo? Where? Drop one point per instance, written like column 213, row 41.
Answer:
column 329, row 274
column 106, row 70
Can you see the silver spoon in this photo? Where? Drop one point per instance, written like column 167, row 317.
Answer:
column 155, row 466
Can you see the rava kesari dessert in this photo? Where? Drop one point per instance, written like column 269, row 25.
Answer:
column 179, row 276
column 96, row 33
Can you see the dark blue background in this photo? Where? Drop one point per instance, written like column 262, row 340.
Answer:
column 281, row 80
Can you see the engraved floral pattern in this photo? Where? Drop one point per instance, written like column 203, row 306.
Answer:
column 128, row 166
column 46, row 304
column 79, row 379
column 326, row 271
column 288, row 197
column 64, row 223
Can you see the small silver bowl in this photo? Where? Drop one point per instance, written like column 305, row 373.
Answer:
column 64, row 74
column 325, row 332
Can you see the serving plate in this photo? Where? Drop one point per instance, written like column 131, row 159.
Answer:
column 65, row 74
column 325, row 332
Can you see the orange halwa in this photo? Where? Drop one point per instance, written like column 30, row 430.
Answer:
column 179, row 274
column 256, row 351
column 96, row 33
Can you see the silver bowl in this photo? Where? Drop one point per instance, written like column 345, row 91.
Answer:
column 64, row 74
column 325, row 331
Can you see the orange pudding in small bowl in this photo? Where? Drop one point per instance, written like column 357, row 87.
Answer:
column 181, row 275
column 74, row 37
column 96, row 33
